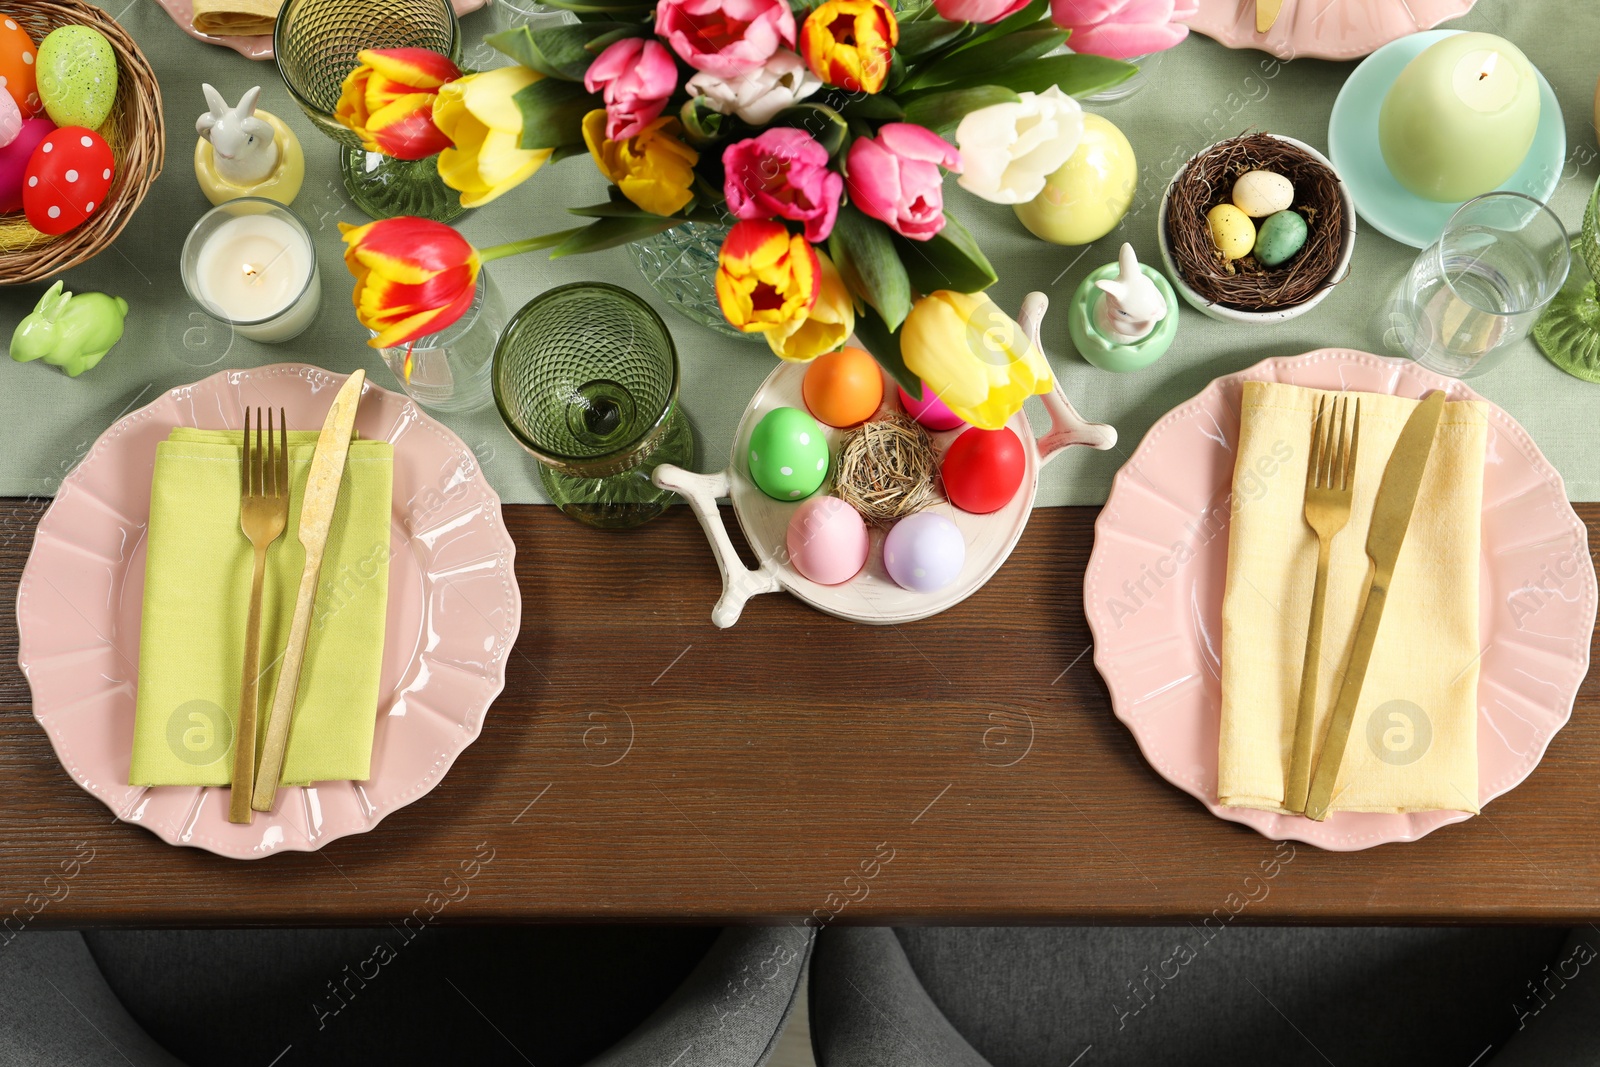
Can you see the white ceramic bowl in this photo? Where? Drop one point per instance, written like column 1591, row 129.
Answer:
column 1226, row 314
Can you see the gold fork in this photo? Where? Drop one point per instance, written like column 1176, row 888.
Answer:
column 263, row 515
column 1330, row 476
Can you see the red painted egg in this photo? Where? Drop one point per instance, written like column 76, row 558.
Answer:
column 18, row 54
column 983, row 469
column 67, row 179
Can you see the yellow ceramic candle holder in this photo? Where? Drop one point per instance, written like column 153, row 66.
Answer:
column 282, row 181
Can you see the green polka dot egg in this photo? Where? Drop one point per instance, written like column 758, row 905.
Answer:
column 788, row 454
column 77, row 76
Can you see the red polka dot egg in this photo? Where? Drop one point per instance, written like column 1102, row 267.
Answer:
column 983, row 469
column 18, row 66
column 67, row 179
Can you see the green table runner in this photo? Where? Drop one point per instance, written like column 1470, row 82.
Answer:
column 1197, row 93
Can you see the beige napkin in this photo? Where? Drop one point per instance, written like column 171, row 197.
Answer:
column 1413, row 744
column 235, row 18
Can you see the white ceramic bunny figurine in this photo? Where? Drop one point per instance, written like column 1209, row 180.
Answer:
column 246, row 150
column 1132, row 305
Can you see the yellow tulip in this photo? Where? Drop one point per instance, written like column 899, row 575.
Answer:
column 653, row 168
column 973, row 356
column 484, row 123
column 828, row 325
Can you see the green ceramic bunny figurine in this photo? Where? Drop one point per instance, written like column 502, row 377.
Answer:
column 70, row 332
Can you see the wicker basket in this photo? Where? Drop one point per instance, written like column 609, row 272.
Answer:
column 134, row 131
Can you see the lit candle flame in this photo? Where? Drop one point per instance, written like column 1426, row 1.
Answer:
column 1488, row 65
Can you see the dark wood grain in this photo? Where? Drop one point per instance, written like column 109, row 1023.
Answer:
column 642, row 764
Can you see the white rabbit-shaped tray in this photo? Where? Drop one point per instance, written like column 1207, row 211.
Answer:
column 871, row 596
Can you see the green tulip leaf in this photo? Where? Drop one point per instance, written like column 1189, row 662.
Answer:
column 819, row 120
column 587, row 9
column 884, row 345
column 552, row 112
column 1027, row 18
column 863, row 250
column 951, row 259
column 943, row 112
column 919, row 39
column 1075, row 75
column 561, row 51
column 984, row 60
column 567, row 151
column 879, row 108
column 700, row 122
column 614, row 209
column 610, row 232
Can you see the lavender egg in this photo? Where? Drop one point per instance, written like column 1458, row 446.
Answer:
column 924, row 552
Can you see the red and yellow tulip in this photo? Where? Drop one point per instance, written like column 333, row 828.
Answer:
column 413, row 277
column 766, row 276
column 653, row 168
column 849, row 43
column 829, row 323
column 387, row 101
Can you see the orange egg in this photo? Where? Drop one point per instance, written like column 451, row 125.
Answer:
column 843, row 388
column 17, row 77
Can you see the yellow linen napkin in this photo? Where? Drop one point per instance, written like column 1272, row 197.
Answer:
column 1413, row 744
column 197, row 589
column 235, row 18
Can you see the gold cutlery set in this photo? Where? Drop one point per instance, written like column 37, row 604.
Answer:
column 1330, row 476
column 263, row 516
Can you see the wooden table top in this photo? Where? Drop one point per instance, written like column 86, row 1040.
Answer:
column 644, row 765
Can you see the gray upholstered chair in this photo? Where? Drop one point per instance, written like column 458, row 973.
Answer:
column 1198, row 996
column 598, row 996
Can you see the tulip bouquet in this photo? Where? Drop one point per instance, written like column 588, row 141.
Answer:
column 821, row 131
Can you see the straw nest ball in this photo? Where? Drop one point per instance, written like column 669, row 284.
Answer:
column 133, row 130
column 886, row 469
column 1246, row 284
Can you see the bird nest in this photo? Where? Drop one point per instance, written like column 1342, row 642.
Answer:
column 886, row 469
column 1247, row 284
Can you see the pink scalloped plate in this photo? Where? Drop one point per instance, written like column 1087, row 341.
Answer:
column 259, row 47
column 1161, row 661
column 1323, row 29
column 454, row 613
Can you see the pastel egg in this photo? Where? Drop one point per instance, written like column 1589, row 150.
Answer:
column 827, row 540
column 788, row 454
column 924, row 552
column 77, row 76
column 1259, row 193
column 10, row 119
column 1281, row 238
column 930, row 411
column 983, row 469
column 843, row 388
column 14, row 159
column 1231, row 231
column 19, row 67
column 67, row 179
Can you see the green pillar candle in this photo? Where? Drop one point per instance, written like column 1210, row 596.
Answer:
column 1460, row 118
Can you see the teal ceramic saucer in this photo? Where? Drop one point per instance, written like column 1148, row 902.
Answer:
column 1383, row 201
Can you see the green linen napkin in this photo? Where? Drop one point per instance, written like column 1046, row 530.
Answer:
column 197, row 590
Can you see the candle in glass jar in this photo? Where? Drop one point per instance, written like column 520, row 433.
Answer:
column 1460, row 118
column 250, row 263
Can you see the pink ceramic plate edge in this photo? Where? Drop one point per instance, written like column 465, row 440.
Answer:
column 454, row 614
column 1326, row 29
column 1160, row 660
column 258, row 47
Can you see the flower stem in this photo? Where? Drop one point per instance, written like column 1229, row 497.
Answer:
column 531, row 244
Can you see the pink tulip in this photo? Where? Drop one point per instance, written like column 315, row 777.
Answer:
column 895, row 178
column 637, row 77
column 725, row 37
column 1123, row 29
column 783, row 173
column 978, row 10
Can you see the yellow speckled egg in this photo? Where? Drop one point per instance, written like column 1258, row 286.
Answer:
column 1231, row 231
column 1087, row 197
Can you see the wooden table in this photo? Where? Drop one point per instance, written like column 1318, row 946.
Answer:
column 643, row 765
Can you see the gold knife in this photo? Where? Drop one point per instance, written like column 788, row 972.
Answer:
column 1267, row 14
column 1391, row 515
column 316, row 515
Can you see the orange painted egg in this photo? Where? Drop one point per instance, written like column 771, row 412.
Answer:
column 18, row 69
column 843, row 388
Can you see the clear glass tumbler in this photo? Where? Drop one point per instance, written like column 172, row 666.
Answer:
column 450, row 369
column 586, row 379
column 1477, row 290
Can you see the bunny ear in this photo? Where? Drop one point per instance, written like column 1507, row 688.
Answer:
column 1113, row 288
column 247, row 102
column 205, row 122
column 219, row 106
column 1127, row 260
column 47, row 301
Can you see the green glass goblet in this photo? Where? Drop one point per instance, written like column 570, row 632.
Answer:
column 316, row 43
column 1568, row 333
column 586, row 379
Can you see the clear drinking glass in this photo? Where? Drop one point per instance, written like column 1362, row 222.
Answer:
column 586, row 379
column 1477, row 290
column 450, row 369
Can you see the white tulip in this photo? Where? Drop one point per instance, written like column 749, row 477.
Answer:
column 759, row 95
column 1008, row 150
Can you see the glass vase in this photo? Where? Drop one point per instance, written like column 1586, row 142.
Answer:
column 1568, row 332
column 384, row 187
column 450, row 370
column 681, row 265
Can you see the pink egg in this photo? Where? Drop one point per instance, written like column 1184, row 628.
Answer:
column 14, row 161
column 930, row 410
column 827, row 540
column 10, row 119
